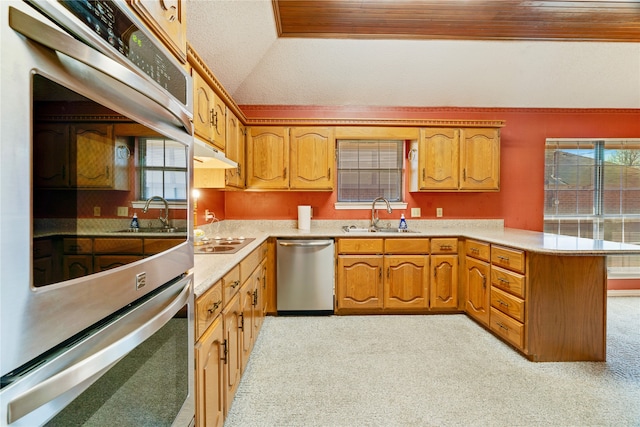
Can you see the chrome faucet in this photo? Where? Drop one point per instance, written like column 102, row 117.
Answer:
column 374, row 212
column 165, row 220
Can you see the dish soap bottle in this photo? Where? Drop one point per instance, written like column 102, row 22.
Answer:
column 134, row 222
column 403, row 223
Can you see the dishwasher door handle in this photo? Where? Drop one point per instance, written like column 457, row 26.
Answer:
column 321, row 243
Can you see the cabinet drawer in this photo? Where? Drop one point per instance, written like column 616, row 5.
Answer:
column 508, row 281
column 507, row 303
column 360, row 246
column 155, row 246
column 77, row 246
column 231, row 284
column 506, row 327
column 406, row 246
column 208, row 306
column 476, row 249
column 42, row 248
column 513, row 259
column 117, row 246
column 107, row 262
column 448, row 245
column 250, row 262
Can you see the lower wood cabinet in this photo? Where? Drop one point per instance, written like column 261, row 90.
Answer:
column 359, row 282
column 477, row 289
column 406, row 283
column 228, row 319
column 211, row 354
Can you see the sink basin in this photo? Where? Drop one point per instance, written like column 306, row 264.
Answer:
column 354, row 229
column 153, row 230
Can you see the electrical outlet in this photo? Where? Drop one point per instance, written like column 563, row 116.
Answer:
column 415, row 213
column 439, row 212
column 96, row 211
column 123, row 211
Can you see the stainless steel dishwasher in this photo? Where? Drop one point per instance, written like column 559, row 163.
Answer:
column 305, row 276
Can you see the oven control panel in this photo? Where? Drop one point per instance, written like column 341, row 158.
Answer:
column 106, row 20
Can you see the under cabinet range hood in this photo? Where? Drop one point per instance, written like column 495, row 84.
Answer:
column 207, row 157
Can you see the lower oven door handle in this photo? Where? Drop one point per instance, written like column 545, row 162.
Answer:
column 87, row 368
column 60, row 42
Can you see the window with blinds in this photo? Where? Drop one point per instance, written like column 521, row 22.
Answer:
column 163, row 169
column 592, row 189
column 368, row 169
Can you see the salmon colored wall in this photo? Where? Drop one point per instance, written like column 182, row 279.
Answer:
column 520, row 200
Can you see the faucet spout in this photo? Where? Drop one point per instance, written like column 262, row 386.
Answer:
column 374, row 212
column 165, row 220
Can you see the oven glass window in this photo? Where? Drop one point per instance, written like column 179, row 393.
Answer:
column 87, row 184
column 147, row 387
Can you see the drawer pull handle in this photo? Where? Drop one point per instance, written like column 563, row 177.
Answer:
column 475, row 250
column 445, row 247
column 503, row 303
column 503, row 258
column 502, row 326
column 235, row 284
column 215, row 306
column 503, row 281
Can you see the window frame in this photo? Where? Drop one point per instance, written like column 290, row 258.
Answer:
column 143, row 168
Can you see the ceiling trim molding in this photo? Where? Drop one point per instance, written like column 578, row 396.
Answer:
column 375, row 122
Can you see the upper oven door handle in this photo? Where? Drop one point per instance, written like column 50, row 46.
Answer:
column 96, row 363
column 67, row 45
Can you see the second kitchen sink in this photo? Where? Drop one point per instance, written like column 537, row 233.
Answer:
column 223, row 245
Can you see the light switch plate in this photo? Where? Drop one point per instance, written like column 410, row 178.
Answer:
column 415, row 213
column 439, row 212
column 123, row 211
column 96, row 211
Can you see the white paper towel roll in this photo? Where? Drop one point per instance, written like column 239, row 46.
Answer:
column 304, row 217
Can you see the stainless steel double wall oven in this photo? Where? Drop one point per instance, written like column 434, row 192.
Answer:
column 89, row 335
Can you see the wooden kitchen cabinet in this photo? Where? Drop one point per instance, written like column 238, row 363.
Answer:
column 232, row 321
column 167, row 20
column 281, row 158
column 51, row 162
column 235, row 151
column 477, row 281
column 359, row 282
column 406, row 283
column 79, row 156
column 464, row 159
column 438, row 159
column 312, row 158
column 268, row 158
column 211, row 356
column 480, row 159
column 444, row 273
column 43, row 254
column 209, row 112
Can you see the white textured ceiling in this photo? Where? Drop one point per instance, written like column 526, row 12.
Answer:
column 238, row 41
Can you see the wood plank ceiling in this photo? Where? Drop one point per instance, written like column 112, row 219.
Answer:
column 577, row 20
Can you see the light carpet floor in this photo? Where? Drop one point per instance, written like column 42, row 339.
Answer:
column 435, row 370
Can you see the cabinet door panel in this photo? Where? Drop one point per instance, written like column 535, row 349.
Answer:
column 480, row 159
column 167, row 18
column 439, row 159
column 51, row 155
column 210, row 361
column 360, row 281
column 406, row 282
column 312, row 158
column 202, row 107
column 478, row 289
column 93, row 161
column 232, row 315
column 268, row 158
column 444, row 282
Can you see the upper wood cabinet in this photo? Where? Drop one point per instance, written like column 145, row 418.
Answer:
column 312, row 158
column 480, row 159
column 209, row 112
column 280, row 158
column 79, row 156
column 235, row 151
column 451, row 159
column 268, row 158
column 166, row 18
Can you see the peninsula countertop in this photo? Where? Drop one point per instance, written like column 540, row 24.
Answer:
column 209, row 268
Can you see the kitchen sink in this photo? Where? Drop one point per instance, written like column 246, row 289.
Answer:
column 153, row 230
column 354, row 229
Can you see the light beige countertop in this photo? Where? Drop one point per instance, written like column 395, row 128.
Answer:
column 209, row 268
